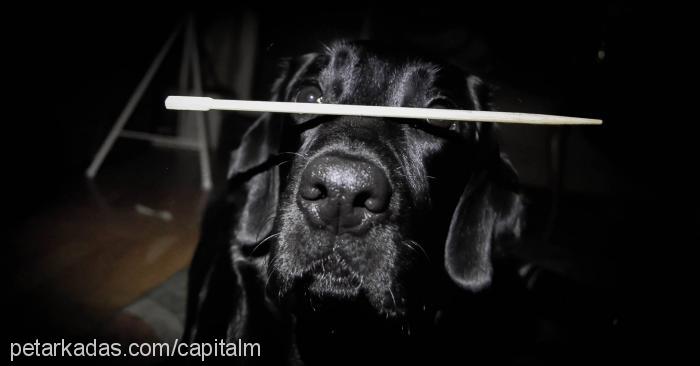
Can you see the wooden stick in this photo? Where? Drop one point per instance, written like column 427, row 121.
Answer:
column 205, row 104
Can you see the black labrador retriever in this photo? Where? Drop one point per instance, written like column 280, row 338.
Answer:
column 340, row 239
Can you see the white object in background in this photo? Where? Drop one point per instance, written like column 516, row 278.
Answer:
column 205, row 104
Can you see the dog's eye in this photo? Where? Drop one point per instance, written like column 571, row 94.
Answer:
column 309, row 94
column 442, row 104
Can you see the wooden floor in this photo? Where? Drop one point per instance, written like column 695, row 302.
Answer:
column 102, row 244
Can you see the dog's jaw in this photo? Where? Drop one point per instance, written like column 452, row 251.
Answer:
column 341, row 267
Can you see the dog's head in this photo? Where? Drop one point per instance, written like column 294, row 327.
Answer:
column 376, row 209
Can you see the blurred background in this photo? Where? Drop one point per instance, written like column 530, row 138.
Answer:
column 108, row 257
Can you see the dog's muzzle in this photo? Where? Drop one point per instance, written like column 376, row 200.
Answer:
column 344, row 193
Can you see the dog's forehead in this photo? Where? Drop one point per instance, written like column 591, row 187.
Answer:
column 360, row 75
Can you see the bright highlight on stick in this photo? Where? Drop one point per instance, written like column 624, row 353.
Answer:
column 205, row 104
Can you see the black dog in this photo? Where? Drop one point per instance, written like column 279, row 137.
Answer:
column 346, row 238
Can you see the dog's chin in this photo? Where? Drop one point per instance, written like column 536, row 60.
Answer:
column 326, row 287
column 359, row 270
column 324, row 293
column 330, row 277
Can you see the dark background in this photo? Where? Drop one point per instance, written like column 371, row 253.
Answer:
column 610, row 213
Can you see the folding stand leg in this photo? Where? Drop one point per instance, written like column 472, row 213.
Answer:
column 199, row 116
column 129, row 108
column 189, row 67
column 183, row 81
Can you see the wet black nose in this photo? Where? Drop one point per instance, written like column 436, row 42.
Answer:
column 344, row 193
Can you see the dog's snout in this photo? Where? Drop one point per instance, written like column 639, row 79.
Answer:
column 344, row 193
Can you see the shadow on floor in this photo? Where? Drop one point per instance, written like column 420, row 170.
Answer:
column 101, row 245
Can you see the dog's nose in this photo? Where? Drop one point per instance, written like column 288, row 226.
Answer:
column 344, row 193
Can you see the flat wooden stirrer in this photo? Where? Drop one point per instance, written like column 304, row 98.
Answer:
column 205, row 104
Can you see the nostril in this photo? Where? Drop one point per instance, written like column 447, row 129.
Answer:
column 314, row 192
column 361, row 199
column 375, row 205
column 366, row 199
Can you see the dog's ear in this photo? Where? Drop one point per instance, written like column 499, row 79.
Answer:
column 260, row 188
column 479, row 93
column 489, row 209
column 255, row 162
column 249, row 163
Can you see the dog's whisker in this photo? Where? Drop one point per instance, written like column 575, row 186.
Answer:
column 270, row 272
column 267, row 283
column 328, row 49
column 393, row 299
column 399, row 172
column 263, row 241
column 413, row 245
column 362, row 279
column 303, row 156
column 264, row 223
column 282, row 163
column 271, row 264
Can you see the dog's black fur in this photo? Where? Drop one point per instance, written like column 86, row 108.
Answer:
column 417, row 281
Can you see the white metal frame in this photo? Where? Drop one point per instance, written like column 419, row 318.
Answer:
column 189, row 70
